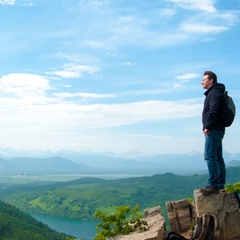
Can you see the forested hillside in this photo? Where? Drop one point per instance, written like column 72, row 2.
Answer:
column 15, row 225
column 79, row 199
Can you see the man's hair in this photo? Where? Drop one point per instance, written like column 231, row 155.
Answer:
column 211, row 75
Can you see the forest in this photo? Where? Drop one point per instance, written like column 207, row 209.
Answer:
column 16, row 225
column 79, row 199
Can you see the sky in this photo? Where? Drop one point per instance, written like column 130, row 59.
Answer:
column 114, row 75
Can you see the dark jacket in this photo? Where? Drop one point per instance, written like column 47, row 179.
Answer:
column 212, row 107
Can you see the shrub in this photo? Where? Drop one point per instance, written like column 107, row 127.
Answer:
column 233, row 187
column 123, row 222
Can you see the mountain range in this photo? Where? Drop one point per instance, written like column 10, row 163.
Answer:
column 71, row 162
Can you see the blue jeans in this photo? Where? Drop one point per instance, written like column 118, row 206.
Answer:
column 214, row 158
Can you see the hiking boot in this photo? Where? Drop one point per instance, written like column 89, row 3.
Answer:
column 209, row 190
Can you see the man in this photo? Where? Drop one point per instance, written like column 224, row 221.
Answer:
column 214, row 132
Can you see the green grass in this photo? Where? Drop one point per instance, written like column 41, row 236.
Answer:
column 37, row 203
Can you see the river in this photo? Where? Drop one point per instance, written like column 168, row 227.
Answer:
column 78, row 228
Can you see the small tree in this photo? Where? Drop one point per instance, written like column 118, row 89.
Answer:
column 122, row 222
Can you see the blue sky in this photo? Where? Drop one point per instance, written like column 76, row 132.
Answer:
column 114, row 75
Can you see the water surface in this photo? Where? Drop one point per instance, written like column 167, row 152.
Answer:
column 78, row 228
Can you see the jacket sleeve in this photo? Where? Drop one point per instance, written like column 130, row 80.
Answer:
column 215, row 103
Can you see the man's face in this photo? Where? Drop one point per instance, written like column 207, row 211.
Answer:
column 206, row 82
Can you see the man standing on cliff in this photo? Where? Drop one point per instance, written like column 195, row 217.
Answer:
column 214, row 132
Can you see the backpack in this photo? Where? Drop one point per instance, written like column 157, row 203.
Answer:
column 207, row 227
column 228, row 110
column 171, row 235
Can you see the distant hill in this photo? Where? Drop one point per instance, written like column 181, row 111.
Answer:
column 53, row 165
column 81, row 198
column 233, row 163
column 15, row 224
column 71, row 162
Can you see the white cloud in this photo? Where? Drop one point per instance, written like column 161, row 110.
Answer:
column 229, row 17
column 69, row 116
column 22, row 84
column 203, row 5
column 205, row 23
column 129, row 63
column 28, row 105
column 7, row 2
column 167, row 12
column 72, row 70
column 62, row 124
column 66, row 74
column 155, row 91
column 82, row 95
column 177, row 85
column 188, row 76
column 95, row 44
column 182, row 79
column 95, row 3
column 152, row 29
column 14, row 2
column 202, row 28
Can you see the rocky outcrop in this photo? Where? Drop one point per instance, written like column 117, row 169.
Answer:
column 156, row 227
column 226, row 207
column 182, row 216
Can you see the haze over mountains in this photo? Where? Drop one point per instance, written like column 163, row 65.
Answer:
column 70, row 162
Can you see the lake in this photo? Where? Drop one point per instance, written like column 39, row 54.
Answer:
column 77, row 228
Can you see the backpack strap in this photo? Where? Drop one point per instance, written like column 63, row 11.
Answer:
column 213, row 228
column 201, row 227
column 216, row 227
column 171, row 235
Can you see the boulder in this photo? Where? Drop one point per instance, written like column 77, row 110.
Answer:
column 180, row 215
column 226, row 207
column 156, row 227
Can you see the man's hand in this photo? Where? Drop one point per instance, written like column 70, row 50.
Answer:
column 206, row 131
